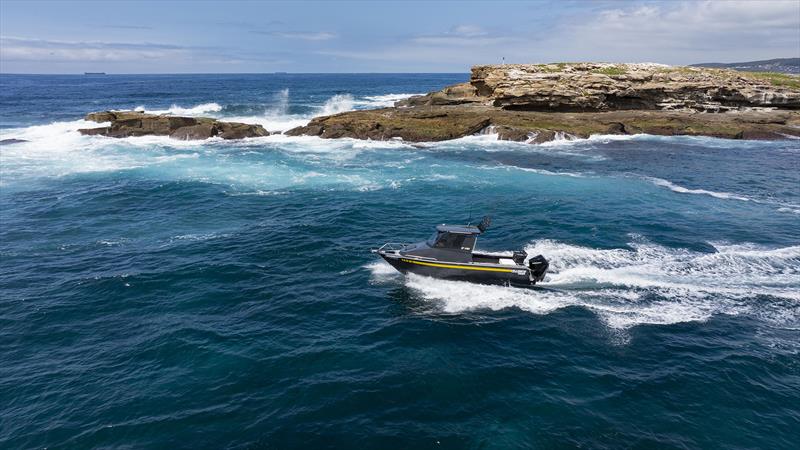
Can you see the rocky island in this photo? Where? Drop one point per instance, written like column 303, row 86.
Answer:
column 136, row 123
column 541, row 102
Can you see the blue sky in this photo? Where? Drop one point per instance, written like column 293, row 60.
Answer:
column 252, row 36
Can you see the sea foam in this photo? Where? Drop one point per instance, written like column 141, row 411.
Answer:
column 683, row 190
column 175, row 110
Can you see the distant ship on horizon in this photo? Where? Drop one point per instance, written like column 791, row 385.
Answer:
column 94, row 73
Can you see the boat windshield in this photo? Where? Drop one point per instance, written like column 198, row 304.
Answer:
column 432, row 239
column 457, row 241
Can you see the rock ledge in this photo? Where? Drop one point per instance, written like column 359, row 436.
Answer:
column 136, row 123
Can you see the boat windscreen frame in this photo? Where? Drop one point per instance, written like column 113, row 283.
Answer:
column 446, row 240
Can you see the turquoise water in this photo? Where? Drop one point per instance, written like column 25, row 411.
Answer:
column 222, row 294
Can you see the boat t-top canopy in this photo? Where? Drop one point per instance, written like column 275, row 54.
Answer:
column 458, row 229
column 466, row 229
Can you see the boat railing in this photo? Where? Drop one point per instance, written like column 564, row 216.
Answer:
column 391, row 247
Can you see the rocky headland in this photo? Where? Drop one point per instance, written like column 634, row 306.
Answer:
column 541, row 102
column 135, row 123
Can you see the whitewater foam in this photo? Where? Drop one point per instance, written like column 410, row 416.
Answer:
column 683, row 190
column 277, row 119
column 786, row 209
column 58, row 149
column 382, row 271
column 533, row 170
column 569, row 140
column 198, row 110
column 337, row 104
column 382, row 101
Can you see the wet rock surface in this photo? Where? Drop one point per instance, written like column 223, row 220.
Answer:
column 438, row 123
column 12, row 141
column 135, row 123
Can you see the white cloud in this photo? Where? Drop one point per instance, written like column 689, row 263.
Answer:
column 468, row 30
column 669, row 32
column 23, row 49
column 304, row 35
column 446, row 40
column 684, row 32
column 463, row 35
column 673, row 32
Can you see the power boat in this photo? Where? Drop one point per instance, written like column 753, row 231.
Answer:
column 450, row 254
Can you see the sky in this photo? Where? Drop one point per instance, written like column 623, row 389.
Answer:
column 375, row 36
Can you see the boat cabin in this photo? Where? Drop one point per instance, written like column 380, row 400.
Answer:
column 457, row 243
column 454, row 237
column 451, row 243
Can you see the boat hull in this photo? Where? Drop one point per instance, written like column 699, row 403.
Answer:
column 478, row 273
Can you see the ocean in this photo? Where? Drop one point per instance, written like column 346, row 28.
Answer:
column 222, row 294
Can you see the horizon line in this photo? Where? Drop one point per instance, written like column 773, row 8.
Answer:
column 231, row 73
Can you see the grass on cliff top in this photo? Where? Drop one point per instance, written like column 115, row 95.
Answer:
column 685, row 70
column 560, row 66
column 552, row 67
column 611, row 70
column 778, row 79
column 774, row 78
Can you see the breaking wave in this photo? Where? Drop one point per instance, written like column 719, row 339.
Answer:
column 781, row 206
column 382, row 101
column 337, row 104
column 680, row 189
column 277, row 116
column 645, row 284
column 277, row 119
column 203, row 108
column 346, row 102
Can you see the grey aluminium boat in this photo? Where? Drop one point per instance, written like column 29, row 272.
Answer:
column 450, row 254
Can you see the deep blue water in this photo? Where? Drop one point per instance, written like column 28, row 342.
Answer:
column 158, row 293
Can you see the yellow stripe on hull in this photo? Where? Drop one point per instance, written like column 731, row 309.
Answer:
column 452, row 266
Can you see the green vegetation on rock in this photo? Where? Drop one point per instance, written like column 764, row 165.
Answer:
column 611, row 70
column 777, row 79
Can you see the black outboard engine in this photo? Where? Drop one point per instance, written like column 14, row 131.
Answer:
column 519, row 257
column 538, row 266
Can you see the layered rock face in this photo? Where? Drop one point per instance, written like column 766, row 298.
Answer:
column 535, row 103
column 135, row 123
column 585, row 87
column 605, row 87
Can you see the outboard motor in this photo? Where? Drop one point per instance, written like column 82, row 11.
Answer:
column 519, row 257
column 538, row 266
